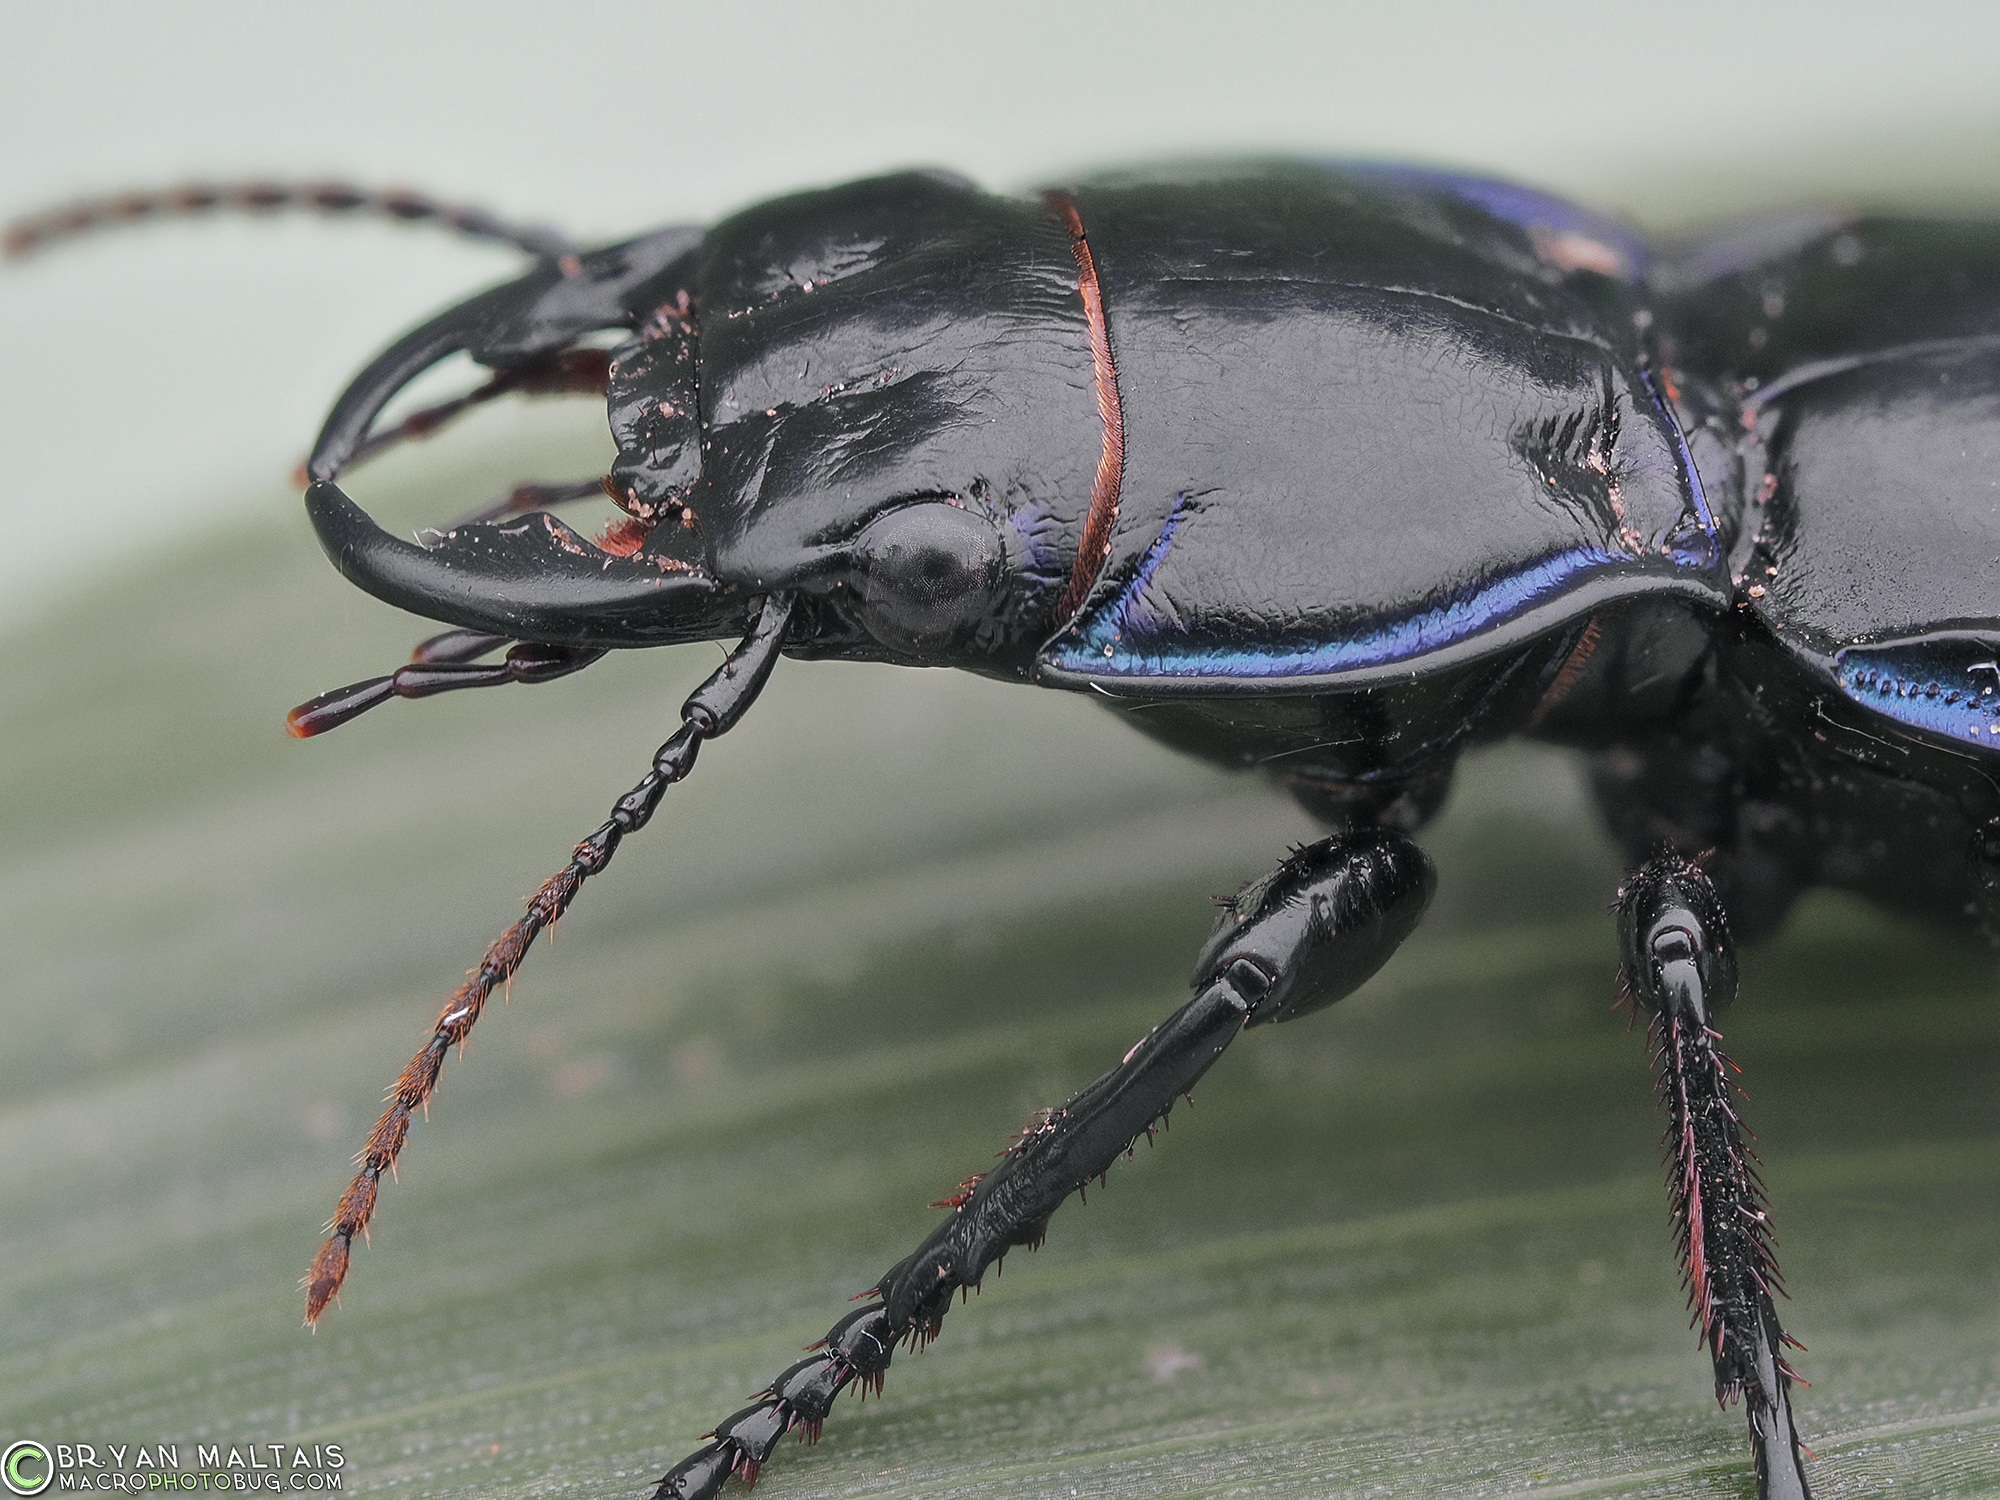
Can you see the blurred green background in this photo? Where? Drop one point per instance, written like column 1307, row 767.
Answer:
column 1414, row 1246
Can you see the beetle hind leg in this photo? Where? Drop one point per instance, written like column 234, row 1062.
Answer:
column 1679, row 964
column 1306, row 935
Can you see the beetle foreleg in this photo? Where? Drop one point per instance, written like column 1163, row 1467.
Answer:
column 1311, row 932
column 1679, row 962
column 712, row 709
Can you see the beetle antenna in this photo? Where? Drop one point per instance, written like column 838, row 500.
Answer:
column 33, row 232
column 712, row 709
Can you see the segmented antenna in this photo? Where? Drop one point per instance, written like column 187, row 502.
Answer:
column 33, row 232
column 710, row 711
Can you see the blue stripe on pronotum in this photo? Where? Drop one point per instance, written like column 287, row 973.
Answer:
column 1324, row 470
column 1135, row 638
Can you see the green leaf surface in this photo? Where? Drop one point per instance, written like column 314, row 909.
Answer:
column 1413, row 1246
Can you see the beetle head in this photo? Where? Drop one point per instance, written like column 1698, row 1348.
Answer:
column 529, row 577
column 876, row 397
column 895, row 417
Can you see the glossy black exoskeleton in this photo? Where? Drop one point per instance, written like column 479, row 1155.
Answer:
column 1330, row 472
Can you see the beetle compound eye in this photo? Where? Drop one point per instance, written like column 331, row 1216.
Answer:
column 929, row 572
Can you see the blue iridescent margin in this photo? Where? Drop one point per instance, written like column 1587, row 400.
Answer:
column 1124, row 638
column 1948, row 684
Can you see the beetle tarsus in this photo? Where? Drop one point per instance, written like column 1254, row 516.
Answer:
column 1322, row 924
column 1679, row 963
column 710, row 710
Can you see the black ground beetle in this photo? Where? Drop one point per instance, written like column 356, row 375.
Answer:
column 1328, row 470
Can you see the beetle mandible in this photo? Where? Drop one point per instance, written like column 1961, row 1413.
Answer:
column 1332, row 470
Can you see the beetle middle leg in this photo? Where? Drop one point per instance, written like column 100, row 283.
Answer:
column 1679, row 962
column 1302, row 937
